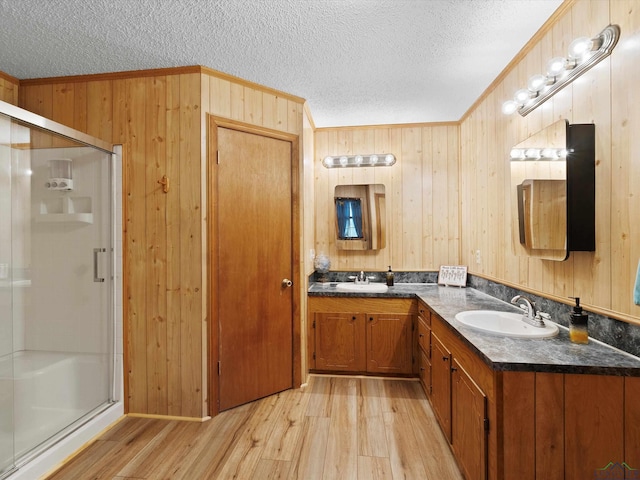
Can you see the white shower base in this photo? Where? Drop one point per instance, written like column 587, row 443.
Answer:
column 51, row 391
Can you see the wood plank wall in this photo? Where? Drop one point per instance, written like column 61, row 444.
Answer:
column 422, row 220
column 9, row 87
column 605, row 96
column 160, row 118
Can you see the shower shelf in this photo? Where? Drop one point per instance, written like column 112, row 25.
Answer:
column 65, row 210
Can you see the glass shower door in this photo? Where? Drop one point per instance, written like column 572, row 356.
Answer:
column 61, row 301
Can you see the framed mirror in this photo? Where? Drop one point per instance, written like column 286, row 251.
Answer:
column 360, row 217
column 553, row 191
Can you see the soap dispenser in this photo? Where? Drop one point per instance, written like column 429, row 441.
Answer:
column 390, row 276
column 578, row 324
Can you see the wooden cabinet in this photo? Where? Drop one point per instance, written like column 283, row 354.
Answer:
column 462, row 390
column 389, row 343
column 423, row 346
column 441, row 384
column 339, row 342
column 535, row 425
column 362, row 335
column 468, row 423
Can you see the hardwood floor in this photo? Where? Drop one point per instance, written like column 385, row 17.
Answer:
column 336, row 428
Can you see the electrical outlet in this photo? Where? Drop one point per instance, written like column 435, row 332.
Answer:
column 478, row 257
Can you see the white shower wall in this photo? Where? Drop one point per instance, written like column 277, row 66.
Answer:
column 61, row 256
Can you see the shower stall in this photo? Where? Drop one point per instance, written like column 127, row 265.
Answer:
column 57, row 294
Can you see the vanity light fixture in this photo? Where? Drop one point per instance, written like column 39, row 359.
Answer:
column 583, row 54
column 373, row 160
column 533, row 154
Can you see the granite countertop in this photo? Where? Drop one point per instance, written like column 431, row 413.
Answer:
column 553, row 355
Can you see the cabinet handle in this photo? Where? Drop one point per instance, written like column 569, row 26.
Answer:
column 444, row 359
column 353, row 318
column 421, row 335
column 422, row 369
column 371, row 319
column 454, row 369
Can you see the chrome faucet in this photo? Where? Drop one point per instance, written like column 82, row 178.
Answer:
column 361, row 278
column 530, row 315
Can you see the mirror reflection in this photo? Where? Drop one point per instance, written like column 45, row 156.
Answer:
column 539, row 189
column 360, row 217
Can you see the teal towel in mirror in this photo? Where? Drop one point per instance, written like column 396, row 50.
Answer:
column 636, row 290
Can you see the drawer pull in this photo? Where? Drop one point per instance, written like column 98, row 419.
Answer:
column 454, row 369
column 444, row 359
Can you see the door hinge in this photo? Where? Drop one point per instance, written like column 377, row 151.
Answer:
column 314, row 355
column 314, row 324
column 486, row 424
column 218, row 157
column 218, row 368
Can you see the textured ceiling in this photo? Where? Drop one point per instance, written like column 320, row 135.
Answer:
column 357, row 62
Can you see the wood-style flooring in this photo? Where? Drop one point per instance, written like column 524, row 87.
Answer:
column 336, row 428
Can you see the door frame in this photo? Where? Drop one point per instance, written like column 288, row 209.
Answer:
column 213, row 337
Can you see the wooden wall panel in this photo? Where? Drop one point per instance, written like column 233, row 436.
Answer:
column 9, row 87
column 422, row 221
column 603, row 96
column 161, row 121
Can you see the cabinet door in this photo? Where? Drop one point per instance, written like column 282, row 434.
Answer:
column 389, row 343
column 340, row 342
column 425, row 373
column 441, row 384
column 469, row 434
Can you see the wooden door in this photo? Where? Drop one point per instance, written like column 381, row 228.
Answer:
column 441, row 384
column 340, row 342
column 389, row 343
column 254, row 263
column 468, row 418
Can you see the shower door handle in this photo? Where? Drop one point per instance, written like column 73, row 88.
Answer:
column 96, row 251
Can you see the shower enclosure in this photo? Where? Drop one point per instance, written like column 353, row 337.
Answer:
column 56, row 284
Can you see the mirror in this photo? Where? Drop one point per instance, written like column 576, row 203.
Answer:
column 553, row 192
column 360, row 217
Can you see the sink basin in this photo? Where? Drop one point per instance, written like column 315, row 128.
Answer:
column 505, row 324
column 361, row 287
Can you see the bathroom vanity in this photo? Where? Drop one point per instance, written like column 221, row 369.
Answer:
column 509, row 407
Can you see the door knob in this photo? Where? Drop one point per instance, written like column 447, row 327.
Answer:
column 286, row 283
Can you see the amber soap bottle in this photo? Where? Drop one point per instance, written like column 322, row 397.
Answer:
column 578, row 324
column 390, row 277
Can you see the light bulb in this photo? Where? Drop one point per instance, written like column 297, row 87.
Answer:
column 358, row 159
column 328, row 161
column 532, row 153
column 580, row 48
column 522, row 96
column 344, row 160
column 517, row 154
column 550, row 153
column 537, row 82
column 562, row 153
column 556, row 66
column 373, row 159
column 389, row 159
column 509, row 107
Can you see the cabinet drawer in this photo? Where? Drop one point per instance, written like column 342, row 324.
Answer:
column 424, row 337
column 424, row 313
